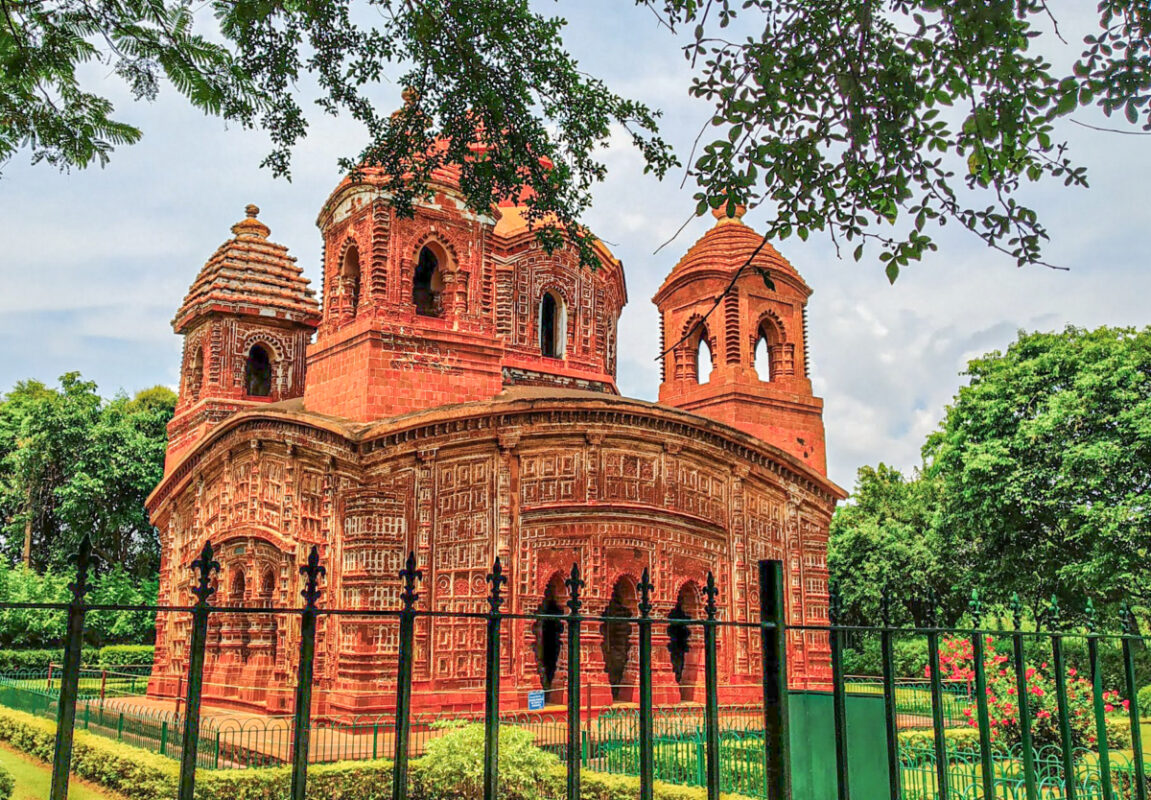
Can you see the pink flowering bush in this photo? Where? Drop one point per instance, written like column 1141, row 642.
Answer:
column 957, row 665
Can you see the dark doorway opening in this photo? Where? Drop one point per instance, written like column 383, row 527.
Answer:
column 684, row 656
column 549, row 642
column 617, row 640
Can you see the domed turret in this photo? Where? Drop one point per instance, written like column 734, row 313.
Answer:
column 246, row 322
column 743, row 361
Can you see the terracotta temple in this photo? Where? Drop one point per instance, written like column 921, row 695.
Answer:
column 454, row 394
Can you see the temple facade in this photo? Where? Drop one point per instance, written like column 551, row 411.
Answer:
column 454, row 395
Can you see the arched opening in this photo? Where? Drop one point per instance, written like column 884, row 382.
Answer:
column 196, row 374
column 762, row 359
column 236, row 588
column 428, row 285
column 349, row 285
column 703, row 358
column 553, row 326
column 617, row 639
column 684, row 656
column 549, row 639
column 258, row 372
column 772, row 353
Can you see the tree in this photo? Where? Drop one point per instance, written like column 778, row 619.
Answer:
column 883, row 540
column 72, row 464
column 870, row 121
column 1044, row 469
column 491, row 89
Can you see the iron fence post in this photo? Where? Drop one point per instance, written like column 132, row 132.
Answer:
column 838, row 696
column 492, row 701
column 1060, row 670
column 1097, row 702
column 70, row 680
column 204, row 566
column 942, row 782
column 981, row 711
column 1133, row 702
column 711, row 686
column 575, row 738
column 409, row 574
column 646, row 746
column 773, row 644
column 313, row 571
column 890, row 709
column 1029, row 781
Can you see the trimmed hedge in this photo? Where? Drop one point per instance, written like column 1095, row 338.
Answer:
column 22, row 660
column 122, row 655
column 140, row 775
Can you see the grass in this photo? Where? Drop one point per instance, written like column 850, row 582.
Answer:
column 34, row 779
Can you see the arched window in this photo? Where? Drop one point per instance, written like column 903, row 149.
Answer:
column 349, row 286
column 703, row 358
column 553, row 326
column 428, row 285
column 762, row 359
column 237, row 589
column 258, row 372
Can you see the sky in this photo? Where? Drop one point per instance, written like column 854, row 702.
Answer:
column 94, row 263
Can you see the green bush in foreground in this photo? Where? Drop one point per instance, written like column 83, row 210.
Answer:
column 7, row 783
column 453, row 766
column 140, row 775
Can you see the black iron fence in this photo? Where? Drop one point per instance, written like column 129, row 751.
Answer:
column 999, row 712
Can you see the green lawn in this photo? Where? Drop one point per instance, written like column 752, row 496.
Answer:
column 34, row 779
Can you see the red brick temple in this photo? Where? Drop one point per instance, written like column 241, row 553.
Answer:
column 455, row 395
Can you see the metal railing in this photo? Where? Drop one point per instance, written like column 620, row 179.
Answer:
column 744, row 749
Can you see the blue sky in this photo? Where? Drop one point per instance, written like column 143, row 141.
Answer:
column 94, row 263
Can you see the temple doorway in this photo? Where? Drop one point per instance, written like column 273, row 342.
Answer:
column 617, row 645
column 682, row 644
column 549, row 640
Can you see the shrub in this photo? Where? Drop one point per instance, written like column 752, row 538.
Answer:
column 448, row 771
column 7, row 783
column 453, row 766
column 120, row 655
column 956, row 660
column 1145, row 701
column 37, row 660
column 135, row 773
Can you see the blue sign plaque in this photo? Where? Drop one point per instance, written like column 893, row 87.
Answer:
column 535, row 700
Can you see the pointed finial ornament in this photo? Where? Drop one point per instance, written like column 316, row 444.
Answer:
column 410, row 575
column 252, row 210
column 205, row 565
column 645, row 588
column 1092, row 616
column 574, row 583
column 497, row 579
column 1016, row 611
column 711, row 591
column 79, row 587
column 975, row 605
column 313, row 571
